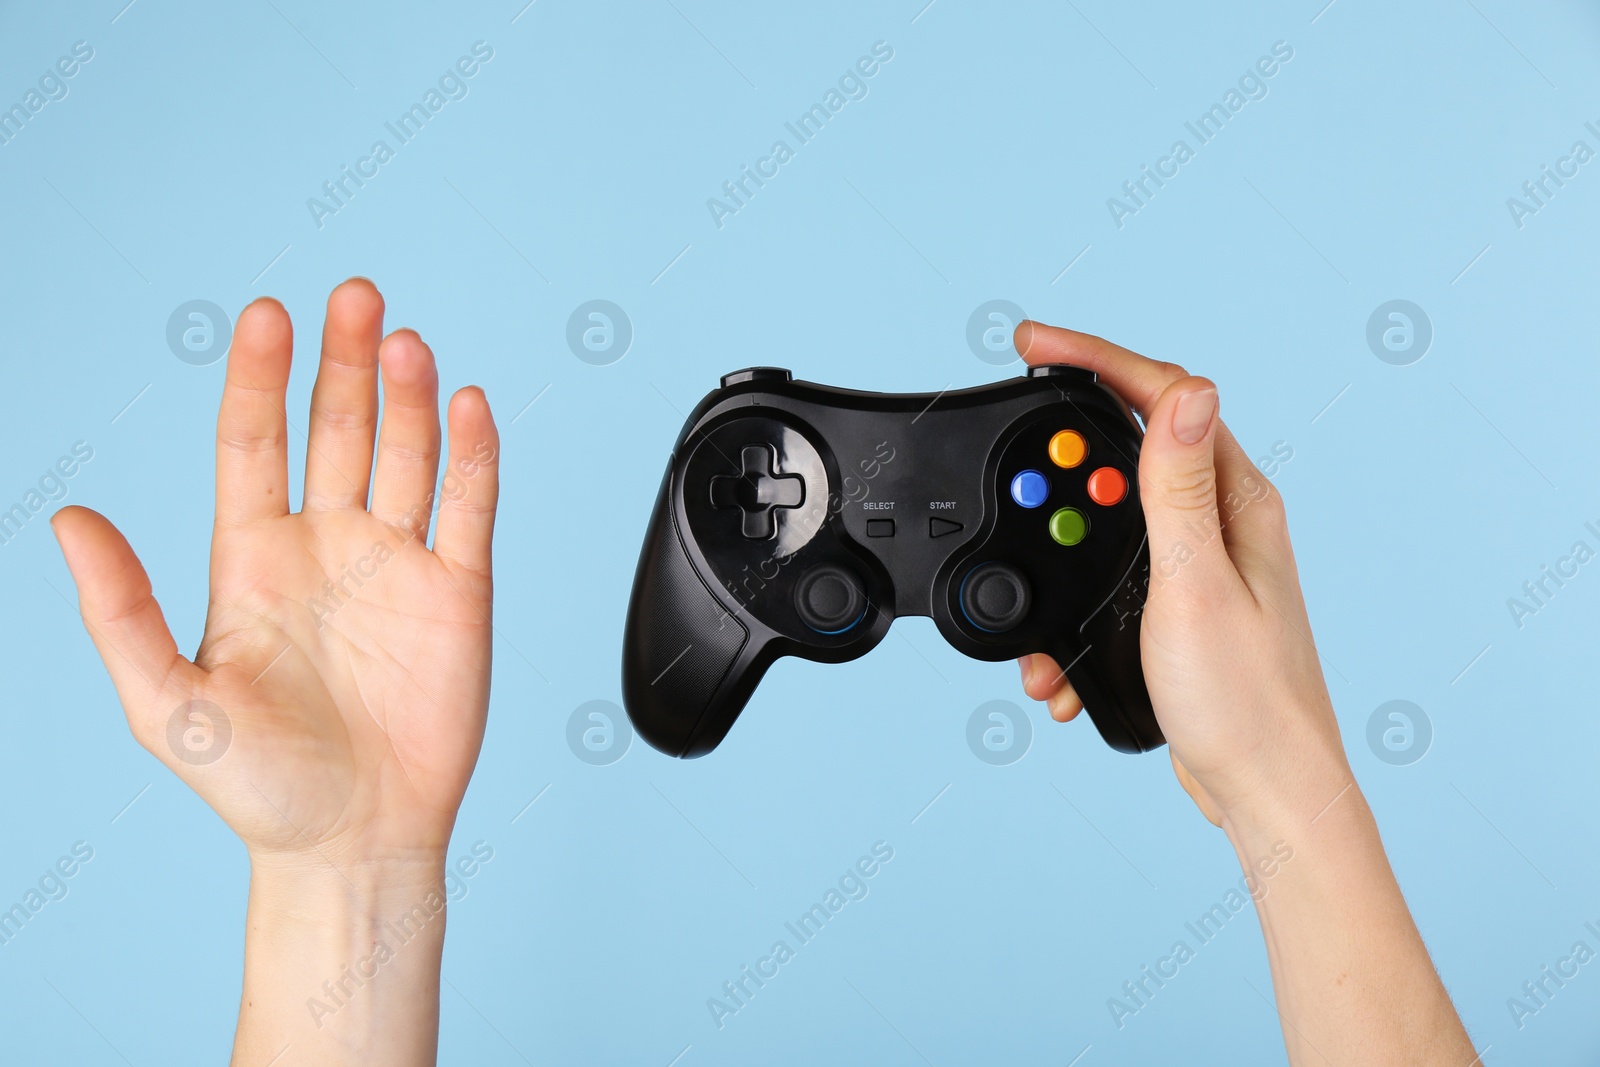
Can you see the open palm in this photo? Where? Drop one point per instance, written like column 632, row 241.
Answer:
column 337, row 701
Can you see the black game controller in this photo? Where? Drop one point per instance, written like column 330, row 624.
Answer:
column 799, row 520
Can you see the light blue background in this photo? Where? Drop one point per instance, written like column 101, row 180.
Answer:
column 978, row 167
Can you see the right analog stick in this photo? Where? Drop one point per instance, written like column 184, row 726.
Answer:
column 829, row 599
column 995, row 597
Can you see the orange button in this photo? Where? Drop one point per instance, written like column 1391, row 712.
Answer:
column 1107, row 486
column 1068, row 448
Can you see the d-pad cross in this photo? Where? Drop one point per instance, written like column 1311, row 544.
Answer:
column 756, row 491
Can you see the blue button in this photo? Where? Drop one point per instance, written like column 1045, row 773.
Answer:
column 1030, row 489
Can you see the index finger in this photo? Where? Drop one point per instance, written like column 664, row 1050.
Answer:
column 252, row 430
column 1133, row 377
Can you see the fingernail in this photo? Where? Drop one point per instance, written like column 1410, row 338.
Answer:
column 1026, row 663
column 1191, row 415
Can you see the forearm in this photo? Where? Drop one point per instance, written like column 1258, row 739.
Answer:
column 1352, row 978
column 341, row 964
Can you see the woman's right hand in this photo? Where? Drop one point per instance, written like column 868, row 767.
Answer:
column 1227, row 650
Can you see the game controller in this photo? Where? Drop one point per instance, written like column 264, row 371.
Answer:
column 798, row 519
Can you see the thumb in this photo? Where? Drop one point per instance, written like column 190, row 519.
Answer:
column 120, row 613
column 1178, row 487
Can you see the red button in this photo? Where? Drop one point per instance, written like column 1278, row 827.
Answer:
column 1107, row 486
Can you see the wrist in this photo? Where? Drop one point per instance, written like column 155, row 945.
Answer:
column 343, row 959
column 341, row 915
column 1314, row 793
column 1323, row 823
column 307, row 881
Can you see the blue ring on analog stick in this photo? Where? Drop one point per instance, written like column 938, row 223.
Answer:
column 1030, row 488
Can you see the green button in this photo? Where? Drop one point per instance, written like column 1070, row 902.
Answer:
column 1068, row 526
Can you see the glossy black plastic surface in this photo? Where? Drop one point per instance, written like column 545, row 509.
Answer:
column 799, row 519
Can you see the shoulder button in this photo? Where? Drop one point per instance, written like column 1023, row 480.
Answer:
column 756, row 374
column 1064, row 370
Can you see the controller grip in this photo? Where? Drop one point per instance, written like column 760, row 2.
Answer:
column 679, row 646
column 1107, row 672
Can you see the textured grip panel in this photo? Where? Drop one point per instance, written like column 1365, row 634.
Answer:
column 680, row 642
column 1108, row 675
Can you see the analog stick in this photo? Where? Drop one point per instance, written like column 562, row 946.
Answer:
column 828, row 598
column 995, row 597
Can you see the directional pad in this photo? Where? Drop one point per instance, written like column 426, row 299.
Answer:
column 757, row 490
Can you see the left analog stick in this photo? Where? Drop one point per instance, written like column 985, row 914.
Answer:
column 829, row 598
